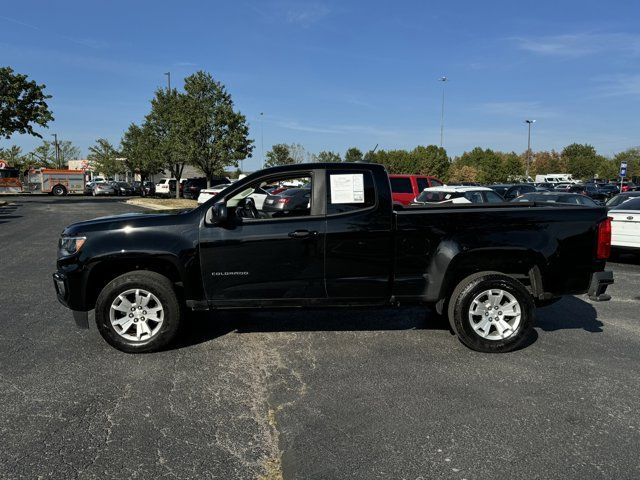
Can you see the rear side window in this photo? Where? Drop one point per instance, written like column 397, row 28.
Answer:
column 349, row 190
column 401, row 185
column 436, row 183
column 474, row 197
column 422, row 183
column 493, row 197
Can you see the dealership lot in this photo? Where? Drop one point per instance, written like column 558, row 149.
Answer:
column 384, row 393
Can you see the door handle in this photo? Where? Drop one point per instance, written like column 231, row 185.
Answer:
column 303, row 234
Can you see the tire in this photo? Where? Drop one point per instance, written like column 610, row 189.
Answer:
column 59, row 191
column 507, row 330
column 138, row 334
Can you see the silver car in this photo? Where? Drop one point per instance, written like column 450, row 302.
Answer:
column 103, row 189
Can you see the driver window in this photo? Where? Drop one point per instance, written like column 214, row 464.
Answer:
column 276, row 197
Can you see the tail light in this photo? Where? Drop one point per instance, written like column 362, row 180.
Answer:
column 284, row 200
column 604, row 239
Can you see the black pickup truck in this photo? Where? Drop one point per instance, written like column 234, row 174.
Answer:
column 314, row 235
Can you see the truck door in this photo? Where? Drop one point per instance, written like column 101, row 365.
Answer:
column 358, row 261
column 271, row 254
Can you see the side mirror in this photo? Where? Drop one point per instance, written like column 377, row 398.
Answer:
column 217, row 214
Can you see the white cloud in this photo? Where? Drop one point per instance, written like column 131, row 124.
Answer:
column 618, row 85
column 581, row 44
column 306, row 13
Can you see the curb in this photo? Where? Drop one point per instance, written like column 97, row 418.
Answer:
column 150, row 206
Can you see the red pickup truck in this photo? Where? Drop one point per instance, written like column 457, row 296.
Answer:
column 404, row 188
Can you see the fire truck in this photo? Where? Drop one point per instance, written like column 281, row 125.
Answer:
column 56, row 181
column 9, row 179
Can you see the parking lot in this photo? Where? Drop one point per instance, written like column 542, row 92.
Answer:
column 368, row 393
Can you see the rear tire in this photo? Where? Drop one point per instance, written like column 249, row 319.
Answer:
column 126, row 300
column 491, row 312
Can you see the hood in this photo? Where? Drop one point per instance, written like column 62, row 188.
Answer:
column 132, row 220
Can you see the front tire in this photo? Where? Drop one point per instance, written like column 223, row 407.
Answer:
column 138, row 312
column 59, row 191
column 491, row 312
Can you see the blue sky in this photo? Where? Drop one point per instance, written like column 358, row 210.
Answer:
column 335, row 74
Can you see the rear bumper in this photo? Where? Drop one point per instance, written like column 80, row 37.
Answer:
column 598, row 286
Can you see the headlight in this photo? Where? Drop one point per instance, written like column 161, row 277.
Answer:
column 70, row 245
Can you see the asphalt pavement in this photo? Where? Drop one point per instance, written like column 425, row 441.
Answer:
column 353, row 394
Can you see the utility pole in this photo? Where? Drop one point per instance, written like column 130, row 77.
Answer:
column 444, row 81
column 168, row 74
column 529, row 123
column 55, row 144
column 262, row 137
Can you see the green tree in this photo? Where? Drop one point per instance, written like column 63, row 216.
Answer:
column 431, row 160
column 353, row 155
column 163, row 126
column 582, row 160
column 104, row 158
column 279, row 155
column 327, row 156
column 215, row 136
column 463, row 173
column 512, row 166
column 632, row 157
column 44, row 155
column 22, row 104
column 136, row 147
column 544, row 162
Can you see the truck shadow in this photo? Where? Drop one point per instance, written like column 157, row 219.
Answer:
column 569, row 313
column 199, row 327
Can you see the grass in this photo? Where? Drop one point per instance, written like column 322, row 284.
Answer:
column 163, row 203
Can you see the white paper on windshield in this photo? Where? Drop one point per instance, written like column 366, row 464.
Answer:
column 347, row 188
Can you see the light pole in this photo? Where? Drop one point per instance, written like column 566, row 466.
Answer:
column 529, row 123
column 55, row 144
column 262, row 137
column 443, row 80
column 168, row 74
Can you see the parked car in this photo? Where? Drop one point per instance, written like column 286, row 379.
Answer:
column 88, row 188
column 193, row 186
column 455, row 194
column 148, row 189
column 511, row 191
column 625, row 225
column 484, row 267
column 405, row 188
column 137, row 187
column 629, row 187
column 621, row 198
column 166, row 187
column 207, row 193
column 291, row 201
column 123, row 188
column 103, row 189
column 591, row 190
column 557, row 197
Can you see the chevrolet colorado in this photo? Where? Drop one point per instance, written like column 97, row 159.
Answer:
column 485, row 266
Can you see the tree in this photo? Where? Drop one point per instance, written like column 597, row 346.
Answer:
column 463, row 173
column 431, row 160
column 512, row 166
column 163, row 127
column 632, row 157
column 104, row 158
column 298, row 153
column 582, row 160
column 45, row 154
column 279, row 155
column 14, row 157
column 327, row 156
column 353, row 155
column 543, row 163
column 215, row 136
column 137, row 148
column 22, row 104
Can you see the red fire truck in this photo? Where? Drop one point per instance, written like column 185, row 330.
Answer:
column 9, row 179
column 56, row 181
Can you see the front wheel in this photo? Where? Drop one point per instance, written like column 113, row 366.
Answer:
column 491, row 312
column 58, row 191
column 138, row 312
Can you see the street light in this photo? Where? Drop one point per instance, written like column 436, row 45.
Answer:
column 55, row 144
column 443, row 80
column 529, row 123
column 262, row 137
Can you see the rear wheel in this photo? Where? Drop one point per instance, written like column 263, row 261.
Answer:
column 59, row 191
column 491, row 312
column 138, row 312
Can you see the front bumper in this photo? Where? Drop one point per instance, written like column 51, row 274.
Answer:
column 61, row 285
column 598, row 286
